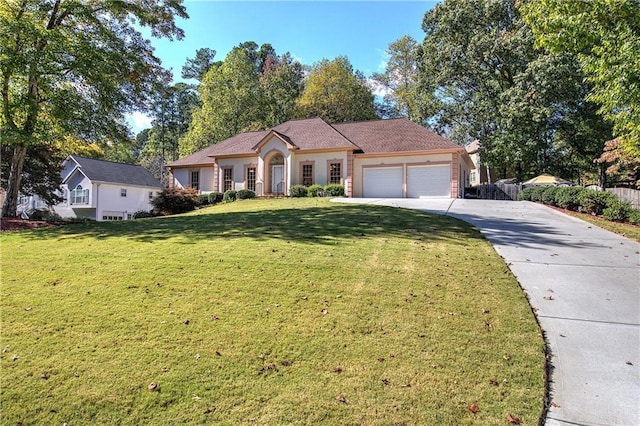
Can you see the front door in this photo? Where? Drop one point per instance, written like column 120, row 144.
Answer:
column 277, row 172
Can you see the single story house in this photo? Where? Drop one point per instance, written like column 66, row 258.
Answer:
column 104, row 190
column 393, row 158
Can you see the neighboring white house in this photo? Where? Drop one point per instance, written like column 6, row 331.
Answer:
column 101, row 190
column 373, row 159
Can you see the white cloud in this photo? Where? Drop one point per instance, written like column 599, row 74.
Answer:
column 378, row 90
column 139, row 121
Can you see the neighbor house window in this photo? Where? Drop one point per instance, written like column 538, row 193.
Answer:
column 307, row 174
column 150, row 195
column 195, row 179
column 79, row 195
column 227, row 179
column 123, row 192
column 335, row 172
column 251, row 178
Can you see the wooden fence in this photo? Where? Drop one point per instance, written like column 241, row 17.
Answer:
column 494, row 191
column 627, row 194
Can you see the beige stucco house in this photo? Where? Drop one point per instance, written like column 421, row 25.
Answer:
column 373, row 159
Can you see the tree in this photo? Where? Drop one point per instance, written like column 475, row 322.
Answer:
column 605, row 36
column 59, row 81
column 400, row 79
column 334, row 92
column 197, row 67
column 488, row 82
column 252, row 89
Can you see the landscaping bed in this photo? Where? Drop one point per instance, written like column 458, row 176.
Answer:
column 284, row 311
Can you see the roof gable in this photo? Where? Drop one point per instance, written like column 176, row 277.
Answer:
column 112, row 172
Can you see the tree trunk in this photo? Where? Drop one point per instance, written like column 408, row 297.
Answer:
column 13, row 183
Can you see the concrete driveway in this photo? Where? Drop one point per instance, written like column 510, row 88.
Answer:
column 584, row 285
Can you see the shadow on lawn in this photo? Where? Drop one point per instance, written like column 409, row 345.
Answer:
column 311, row 225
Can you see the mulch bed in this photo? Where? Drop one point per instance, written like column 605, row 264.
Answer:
column 16, row 224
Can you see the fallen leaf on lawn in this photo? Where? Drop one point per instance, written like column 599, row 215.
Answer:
column 512, row 419
column 493, row 382
column 337, row 370
column 152, row 386
column 385, row 381
column 506, row 357
column 218, row 353
column 186, row 322
column 324, row 312
column 196, row 397
column 473, row 408
column 380, row 359
column 286, row 363
column 45, row 376
column 554, row 404
column 342, row 399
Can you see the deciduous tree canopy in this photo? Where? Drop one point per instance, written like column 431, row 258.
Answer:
column 74, row 68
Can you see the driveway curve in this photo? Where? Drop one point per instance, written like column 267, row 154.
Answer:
column 583, row 284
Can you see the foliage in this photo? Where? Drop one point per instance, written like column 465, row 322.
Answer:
column 174, row 201
column 334, row 190
column 203, row 199
column 215, row 197
column 617, row 211
column 594, row 202
column 143, row 214
column 400, row 80
column 568, row 197
column 525, row 194
column 197, row 67
column 250, row 90
column 634, row 218
column 297, row 191
column 60, row 81
column 335, row 93
column 605, row 36
column 481, row 78
column 315, row 190
column 548, row 195
column 245, row 194
column 266, row 310
column 622, row 165
column 229, row 195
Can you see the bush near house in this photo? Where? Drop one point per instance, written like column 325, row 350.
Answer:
column 298, row 191
column 334, row 190
column 315, row 190
column 245, row 194
column 594, row 202
column 215, row 197
column 567, row 197
column 174, row 201
column 229, row 196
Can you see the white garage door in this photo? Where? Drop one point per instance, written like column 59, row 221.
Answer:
column 428, row 181
column 383, row 182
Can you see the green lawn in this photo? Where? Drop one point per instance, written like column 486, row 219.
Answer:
column 287, row 311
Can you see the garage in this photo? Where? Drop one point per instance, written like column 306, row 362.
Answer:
column 428, row 181
column 383, row 182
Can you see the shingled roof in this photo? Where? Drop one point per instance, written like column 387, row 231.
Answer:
column 394, row 135
column 111, row 172
column 369, row 137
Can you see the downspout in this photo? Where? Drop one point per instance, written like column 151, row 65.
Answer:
column 97, row 200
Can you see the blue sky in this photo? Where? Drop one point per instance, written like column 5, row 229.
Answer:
column 309, row 30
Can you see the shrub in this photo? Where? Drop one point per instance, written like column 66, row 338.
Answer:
column 298, row 191
column 594, row 202
column 617, row 211
column 245, row 194
column 568, row 197
column 334, row 190
column 536, row 193
column 634, row 217
column 46, row 215
column 315, row 190
column 229, row 196
column 174, row 201
column 141, row 214
column 548, row 195
column 525, row 194
column 215, row 197
column 203, row 199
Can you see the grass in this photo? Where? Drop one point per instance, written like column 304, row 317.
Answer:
column 288, row 311
column 621, row 228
